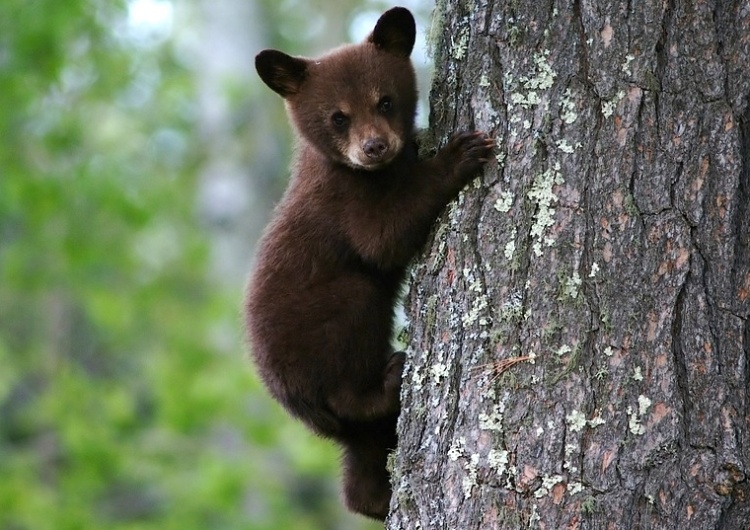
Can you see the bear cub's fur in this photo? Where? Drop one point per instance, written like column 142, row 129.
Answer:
column 359, row 207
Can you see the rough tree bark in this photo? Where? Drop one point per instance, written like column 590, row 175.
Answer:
column 608, row 253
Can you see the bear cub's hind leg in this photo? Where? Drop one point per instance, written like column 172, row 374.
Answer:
column 352, row 400
column 367, row 486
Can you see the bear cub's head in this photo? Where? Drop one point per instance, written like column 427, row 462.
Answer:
column 356, row 104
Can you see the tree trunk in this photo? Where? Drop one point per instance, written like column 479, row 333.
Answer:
column 580, row 329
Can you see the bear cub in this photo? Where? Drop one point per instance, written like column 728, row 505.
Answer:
column 359, row 206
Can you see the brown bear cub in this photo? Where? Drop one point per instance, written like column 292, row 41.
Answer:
column 329, row 266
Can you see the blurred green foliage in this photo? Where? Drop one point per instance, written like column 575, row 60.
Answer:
column 126, row 398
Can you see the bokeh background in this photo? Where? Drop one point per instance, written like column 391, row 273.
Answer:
column 140, row 157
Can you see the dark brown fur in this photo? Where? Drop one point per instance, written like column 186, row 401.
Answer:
column 329, row 266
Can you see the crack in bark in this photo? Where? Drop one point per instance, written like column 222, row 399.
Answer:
column 660, row 50
column 718, row 38
column 746, row 348
column 742, row 220
column 636, row 156
column 578, row 15
column 681, row 371
column 488, row 18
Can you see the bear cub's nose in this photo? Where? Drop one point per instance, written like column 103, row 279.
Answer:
column 375, row 148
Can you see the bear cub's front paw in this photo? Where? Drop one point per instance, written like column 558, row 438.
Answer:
column 469, row 151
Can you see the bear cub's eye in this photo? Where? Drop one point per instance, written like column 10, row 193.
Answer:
column 385, row 105
column 339, row 120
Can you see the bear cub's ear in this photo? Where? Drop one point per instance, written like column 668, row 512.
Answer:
column 282, row 72
column 395, row 32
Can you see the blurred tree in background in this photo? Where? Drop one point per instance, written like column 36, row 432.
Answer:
column 126, row 398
